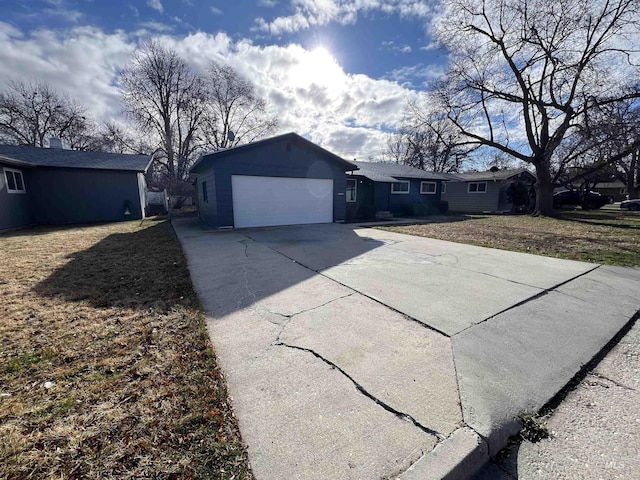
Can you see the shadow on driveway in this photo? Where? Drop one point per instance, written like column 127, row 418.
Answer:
column 237, row 269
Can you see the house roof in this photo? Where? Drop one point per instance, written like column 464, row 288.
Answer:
column 392, row 172
column 26, row 156
column 208, row 158
column 488, row 175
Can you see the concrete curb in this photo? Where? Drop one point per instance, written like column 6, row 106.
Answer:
column 458, row 457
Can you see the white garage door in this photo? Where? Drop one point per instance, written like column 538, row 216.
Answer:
column 264, row 201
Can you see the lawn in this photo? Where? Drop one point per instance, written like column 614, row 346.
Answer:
column 606, row 236
column 106, row 370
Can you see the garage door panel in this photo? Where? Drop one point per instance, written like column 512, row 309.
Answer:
column 265, row 201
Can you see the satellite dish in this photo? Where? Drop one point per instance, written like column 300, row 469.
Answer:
column 231, row 136
column 494, row 169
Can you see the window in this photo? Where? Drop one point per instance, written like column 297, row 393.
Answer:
column 428, row 187
column 477, row 187
column 205, row 194
column 444, row 187
column 352, row 190
column 15, row 182
column 400, row 187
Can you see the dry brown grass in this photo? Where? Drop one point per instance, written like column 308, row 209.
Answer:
column 604, row 236
column 107, row 314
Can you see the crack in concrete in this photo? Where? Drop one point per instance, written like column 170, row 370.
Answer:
column 407, row 317
column 616, row 383
column 527, row 300
column 403, row 416
column 291, row 315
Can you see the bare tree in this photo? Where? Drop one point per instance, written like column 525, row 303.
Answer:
column 605, row 145
column 428, row 140
column 523, row 73
column 235, row 113
column 33, row 112
column 166, row 99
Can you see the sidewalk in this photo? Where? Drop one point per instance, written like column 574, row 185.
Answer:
column 595, row 430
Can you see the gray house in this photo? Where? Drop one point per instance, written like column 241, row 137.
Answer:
column 488, row 191
column 57, row 186
column 378, row 188
column 283, row 180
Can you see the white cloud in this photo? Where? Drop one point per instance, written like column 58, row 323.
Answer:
column 307, row 13
column 156, row 26
column 156, row 5
column 267, row 3
column 215, row 10
column 308, row 91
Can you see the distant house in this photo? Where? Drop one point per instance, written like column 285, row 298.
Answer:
column 378, row 188
column 476, row 192
column 617, row 190
column 57, row 186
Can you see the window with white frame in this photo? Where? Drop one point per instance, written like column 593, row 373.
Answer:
column 400, row 187
column 477, row 187
column 444, row 187
column 15, row 181
column 352, row 190
column 428, row 188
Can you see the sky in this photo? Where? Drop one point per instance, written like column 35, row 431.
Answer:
column 338, row 72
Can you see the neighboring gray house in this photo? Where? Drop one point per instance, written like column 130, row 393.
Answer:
column 57, row 186
column 476, row 192
column 282, row 180
column 377, row 188
column 616, row 189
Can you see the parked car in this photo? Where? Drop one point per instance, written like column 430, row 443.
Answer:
column 572, row 198
column 631, row 204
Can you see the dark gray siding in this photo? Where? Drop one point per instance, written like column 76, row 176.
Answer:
column 399, row 203
column 67, row 195
column 460, row 200
column 381, row 194
column 14, row 207
column 208, row 211
column 277, row 159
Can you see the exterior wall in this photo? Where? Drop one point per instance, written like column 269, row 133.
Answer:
column 381, row 194
column 278, row 159
column 68, row 195
column 460, row 200
column 618, row 193
column 400, row 202
column 207, row 211
column 14, row 207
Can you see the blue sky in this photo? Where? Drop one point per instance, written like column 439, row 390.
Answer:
column 338, row 72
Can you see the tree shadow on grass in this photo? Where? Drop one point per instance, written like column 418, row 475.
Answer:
column 139, row 270
column 603, row 219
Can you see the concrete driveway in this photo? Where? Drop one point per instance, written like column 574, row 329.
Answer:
column 358, row 353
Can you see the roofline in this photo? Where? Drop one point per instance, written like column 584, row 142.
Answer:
column 489, row 176
column 17, row 163
column 399, row 177
column 146, row 169
column 277, row 138
column 22, row 163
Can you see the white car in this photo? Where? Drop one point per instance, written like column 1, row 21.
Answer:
column 631, row 204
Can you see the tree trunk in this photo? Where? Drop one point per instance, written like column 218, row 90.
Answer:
column 544, row 191
column 634, row 176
